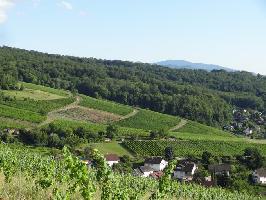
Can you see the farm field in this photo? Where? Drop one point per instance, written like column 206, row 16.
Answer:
column 110, row 147
column 88, row 115
column 190, row 147
column 105, row 105
column 149, row 120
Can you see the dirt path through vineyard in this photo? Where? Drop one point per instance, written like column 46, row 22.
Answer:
column 74, row 111
column 182, row 123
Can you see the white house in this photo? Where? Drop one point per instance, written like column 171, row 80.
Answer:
column 156, row 163
column 146, row 171
column 112, row 159
column 185, row 170
column 259, row 176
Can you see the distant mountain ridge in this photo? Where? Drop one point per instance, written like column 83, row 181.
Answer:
column 183, row 64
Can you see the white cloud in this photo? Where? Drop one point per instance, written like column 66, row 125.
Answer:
column 66, row 5
column 4, row 6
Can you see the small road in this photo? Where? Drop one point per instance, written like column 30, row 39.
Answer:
column 182, row 123
column 52, row 116
column 134, row 112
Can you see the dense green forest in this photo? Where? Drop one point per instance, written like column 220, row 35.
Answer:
column 207, row 97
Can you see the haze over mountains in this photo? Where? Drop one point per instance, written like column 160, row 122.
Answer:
column 179, row 64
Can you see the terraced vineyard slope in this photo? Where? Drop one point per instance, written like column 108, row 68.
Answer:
column 149, row 120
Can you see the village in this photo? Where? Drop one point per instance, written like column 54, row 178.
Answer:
column 249, row 123
column 204, row 171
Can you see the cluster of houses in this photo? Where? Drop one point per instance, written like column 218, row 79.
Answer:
column 153, row 167
column 184, row 171
column 242, row 120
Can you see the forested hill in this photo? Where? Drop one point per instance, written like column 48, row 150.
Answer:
column 207, row 97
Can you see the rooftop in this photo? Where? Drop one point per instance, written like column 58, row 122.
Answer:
column 111, row 157
column 185, row 166
column 154, row 160
column 146, row 169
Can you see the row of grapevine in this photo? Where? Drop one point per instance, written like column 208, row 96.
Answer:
column 190, row 147
column 49, row 174
column 21, row 114
column 43, row 106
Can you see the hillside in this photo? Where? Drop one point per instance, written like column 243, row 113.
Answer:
column 207, row 97
column 46, row 108
column 182, row 64
column 50, row 119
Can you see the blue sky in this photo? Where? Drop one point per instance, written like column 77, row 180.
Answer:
column 231, row 33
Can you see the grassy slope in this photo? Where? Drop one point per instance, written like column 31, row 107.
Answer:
column 111, row 147
column 194, row 130
column 197, row 128
column 32, row 94
column 149, row 120
column 47, row 89
column 104, row 105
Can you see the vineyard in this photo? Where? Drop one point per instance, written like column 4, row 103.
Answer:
column 43, row 106
column 105, row 105
column 149, row 120
column 190, row 147
column 21, row 114
column 94, row 127
column 29, row 175
column 28, row 107
column 11, row 123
